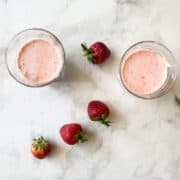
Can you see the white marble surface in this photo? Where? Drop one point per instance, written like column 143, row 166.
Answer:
column 143, row 142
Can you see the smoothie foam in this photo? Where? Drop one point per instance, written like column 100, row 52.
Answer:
column 40, row 61
column 144, row 71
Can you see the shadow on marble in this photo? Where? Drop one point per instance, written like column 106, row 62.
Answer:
column 55, row 150
column 93, row 144
column 111, row 66
column 72, row 73
column 117, row 119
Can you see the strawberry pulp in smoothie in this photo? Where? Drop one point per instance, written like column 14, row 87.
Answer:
column 40, row 61
column 144, row 71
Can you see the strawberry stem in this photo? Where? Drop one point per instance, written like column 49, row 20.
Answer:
column 39, row 143
column 88, row 53
column 103, row 119
column 81, row 137
column 106, row 122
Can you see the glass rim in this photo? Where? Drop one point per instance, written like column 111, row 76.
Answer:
column 123, row 58
column 56, row 39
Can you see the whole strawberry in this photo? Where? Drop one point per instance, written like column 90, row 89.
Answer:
column 97, row 53
column 99, row 111
column 72, row 133
column 40, row 147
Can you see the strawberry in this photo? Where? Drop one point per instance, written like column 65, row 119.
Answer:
column 99, row 111
column 72, row 133
column 97, row 53
column 40, row 148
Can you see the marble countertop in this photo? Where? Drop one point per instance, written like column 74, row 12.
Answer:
column 143, row 142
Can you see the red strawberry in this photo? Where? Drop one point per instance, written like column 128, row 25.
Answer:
column 72, row 133
column 97, row 53
column 98, row 111
column 40, row 148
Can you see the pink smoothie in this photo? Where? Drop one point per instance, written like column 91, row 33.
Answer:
column 144, row 71
column 40, row 61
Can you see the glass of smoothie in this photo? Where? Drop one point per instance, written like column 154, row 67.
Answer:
column 35, row 57
column 148, row 69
